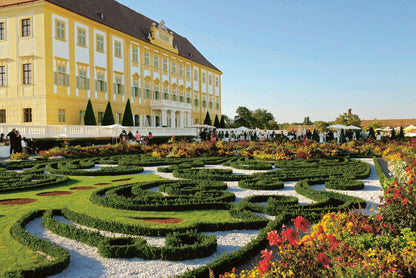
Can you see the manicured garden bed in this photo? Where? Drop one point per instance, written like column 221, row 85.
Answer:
column 181, row 210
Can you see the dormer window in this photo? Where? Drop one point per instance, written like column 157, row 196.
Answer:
column 100, row 15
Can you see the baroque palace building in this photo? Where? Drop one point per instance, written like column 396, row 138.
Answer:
column 55, row 55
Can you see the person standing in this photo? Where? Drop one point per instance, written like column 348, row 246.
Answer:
column 12, row 140
column 18, row 142
column 138, row 137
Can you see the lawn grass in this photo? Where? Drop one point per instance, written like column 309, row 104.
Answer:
column 14, row 255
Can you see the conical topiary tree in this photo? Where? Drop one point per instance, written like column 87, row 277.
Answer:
column 207, row 120
column 128, row 115
column 108, row 118
column 371, row 133
column 393, row 134
column 222, row 122
column 89, row 118
column 216, row 122
column 315, row 135
column 401, row 133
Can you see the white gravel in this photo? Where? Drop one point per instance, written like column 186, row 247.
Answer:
column 85, row 261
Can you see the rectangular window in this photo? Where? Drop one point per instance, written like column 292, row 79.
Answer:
column 27, row 115
column 2, row 31
column 2, row 116
column 117, row 49
column 119, row 90
column 204, row 103
column 181, row 70
column 195, row 74
column 196, row 102
column 217, row 82
column 147, row 92
column 118, row 118
column 82, row 80
column 100, row 117
column 147, row 58
column 181, row 97
column 165, row 93
column 211, row 104
column 27, row 73
column 188, row 98
column 210, row 79
column 135, row 54
column 60, row 30
column 203, row 77
column 173, row 67
column 61, row 116
column 174, row 97
column 157, row 93
column 217, row 105
column 26, row 27
column 156, row 61
column 60, row 76
column 165, row 64
column 100, row 43
column 81, row 37
column 188, row 72
column 136, row 89
column 2, row 76
column 100, row 83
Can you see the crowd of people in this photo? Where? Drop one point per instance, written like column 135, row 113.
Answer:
column 17, row 143
column 128, row 137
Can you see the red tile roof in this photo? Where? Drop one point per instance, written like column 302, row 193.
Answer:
column 126, row 20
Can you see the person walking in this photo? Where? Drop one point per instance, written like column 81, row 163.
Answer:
column 18, row 142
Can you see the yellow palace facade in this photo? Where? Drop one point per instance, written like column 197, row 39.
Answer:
column 55, row 55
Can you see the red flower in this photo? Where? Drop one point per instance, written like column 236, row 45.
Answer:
column 292, row 236
column 301, row 223
column 273, row 238
column 266, row 254
column 379, row 217
column 404, row 201
column 323, row 260
column 334, row 242
column 264, row 266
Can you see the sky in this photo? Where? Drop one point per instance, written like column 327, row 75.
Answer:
column 303, row 58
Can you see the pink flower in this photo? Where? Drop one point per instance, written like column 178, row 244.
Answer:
column 301, row 223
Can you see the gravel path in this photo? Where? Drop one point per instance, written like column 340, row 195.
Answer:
column 85, row 261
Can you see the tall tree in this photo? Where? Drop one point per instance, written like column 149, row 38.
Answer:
column 222, row 122
column 108, row 118
column 216, row 122
column 89, row 117
column 393, row 134
column 315, row 135
column 207, row 120
column 128, row 115
column 321, row 126
column 348, row 119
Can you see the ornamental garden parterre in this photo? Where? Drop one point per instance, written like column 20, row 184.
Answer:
column 117, row 199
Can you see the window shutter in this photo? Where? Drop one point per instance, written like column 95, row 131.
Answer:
column 88, row 84
column 105, row 86
column 67, row 80
column 122, row 89
column 78, row 82
column 132, row 92
column 115, row 89
column 97, row 84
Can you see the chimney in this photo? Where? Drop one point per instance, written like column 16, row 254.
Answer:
column 349, row 112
